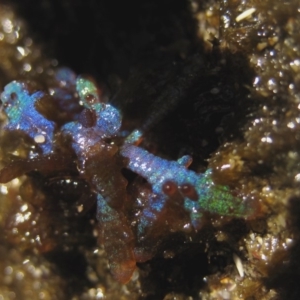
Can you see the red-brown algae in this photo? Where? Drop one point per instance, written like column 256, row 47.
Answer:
column 265, row 161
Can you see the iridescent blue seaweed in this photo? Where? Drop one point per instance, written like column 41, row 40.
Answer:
column 108, row 120
column 158, row 172
column 89, row 141
column 19, row 106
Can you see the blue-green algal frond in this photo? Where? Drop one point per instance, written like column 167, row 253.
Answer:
column 199, row 192
column 108, row 118
column 19, row 106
